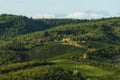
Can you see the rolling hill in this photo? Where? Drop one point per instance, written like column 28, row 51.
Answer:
column 70, row 49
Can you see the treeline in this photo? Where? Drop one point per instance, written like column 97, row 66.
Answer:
column 22, row 66
column 101, row 29
column 106, row 54
column 12, row 25
column 109, row 55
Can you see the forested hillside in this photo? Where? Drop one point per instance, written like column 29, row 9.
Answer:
column 59, row 49
column 12, row 25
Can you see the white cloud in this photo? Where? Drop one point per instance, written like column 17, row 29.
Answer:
column 84, row 15
column 44, row 16
column 74, row 15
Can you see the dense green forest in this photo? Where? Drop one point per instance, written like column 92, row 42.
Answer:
column 12, row 25
column 59, row 49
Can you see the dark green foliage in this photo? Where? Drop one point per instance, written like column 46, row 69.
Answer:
column 48, row 50
column 57, row 74
column 21, row 66
column 14, row 45
column 7, row 56
column 104, row 54
column 42, row 73
column 12, row 25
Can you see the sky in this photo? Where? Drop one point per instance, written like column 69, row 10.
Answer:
column 80, row 9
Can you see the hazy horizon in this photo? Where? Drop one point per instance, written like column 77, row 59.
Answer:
column 62, row 9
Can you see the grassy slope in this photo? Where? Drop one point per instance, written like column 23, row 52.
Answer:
column 93, row 73
column 90, row 71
